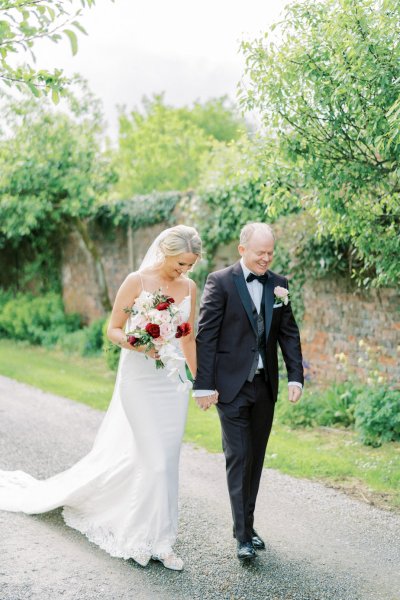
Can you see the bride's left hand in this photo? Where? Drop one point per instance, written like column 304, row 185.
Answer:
column 153, row 353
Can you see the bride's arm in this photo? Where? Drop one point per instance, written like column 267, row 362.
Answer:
column 188, row 342
column 126, row 295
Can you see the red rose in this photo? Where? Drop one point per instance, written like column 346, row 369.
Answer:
column 186, row 328
column 183, row 330
column 132, row 340
column 170, row 300
column 153, row 330
column 162, row 306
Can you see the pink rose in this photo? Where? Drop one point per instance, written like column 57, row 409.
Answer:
column 281, row 294
column 163, row 317
column 166, row 330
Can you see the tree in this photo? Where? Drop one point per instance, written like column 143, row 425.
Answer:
column 327, row 80
column 217, row 117
column 52, row 175
column 162, row 147
column 22, row 23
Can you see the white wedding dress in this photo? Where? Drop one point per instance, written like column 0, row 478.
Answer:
column 124, row 494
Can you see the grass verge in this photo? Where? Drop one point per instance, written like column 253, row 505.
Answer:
column 334, row 457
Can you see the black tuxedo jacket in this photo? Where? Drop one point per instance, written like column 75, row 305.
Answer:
column 226, row 339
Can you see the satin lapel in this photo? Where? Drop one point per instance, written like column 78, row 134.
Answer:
column 240, row 283
column 269, row 304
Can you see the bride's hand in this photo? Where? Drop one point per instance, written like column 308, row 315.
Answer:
column 142, row 349
column 153, row 353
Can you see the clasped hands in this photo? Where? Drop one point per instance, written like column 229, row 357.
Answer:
column 204, row 402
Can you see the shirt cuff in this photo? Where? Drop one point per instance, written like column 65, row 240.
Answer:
column 296, row 383
column 202, row 393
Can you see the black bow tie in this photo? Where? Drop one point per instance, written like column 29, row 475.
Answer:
column 261, row 278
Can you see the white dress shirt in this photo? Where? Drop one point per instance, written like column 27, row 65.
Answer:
column 255, row 288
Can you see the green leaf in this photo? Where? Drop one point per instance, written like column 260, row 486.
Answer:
column 73, row 39
column 35, row 91
column 79, row 27
column 55, row 96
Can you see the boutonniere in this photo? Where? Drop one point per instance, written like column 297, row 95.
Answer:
column 281, row 295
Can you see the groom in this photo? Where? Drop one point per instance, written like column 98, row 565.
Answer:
column 244, row 315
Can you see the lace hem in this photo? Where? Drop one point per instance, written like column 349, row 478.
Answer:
column 106, row 540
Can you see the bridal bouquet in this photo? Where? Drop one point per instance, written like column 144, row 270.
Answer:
column 155, row 321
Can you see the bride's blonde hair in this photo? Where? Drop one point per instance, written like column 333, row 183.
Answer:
column 180, row 239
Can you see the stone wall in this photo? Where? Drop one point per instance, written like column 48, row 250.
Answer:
column 337, row 316
column 340, row 320
column 121, row 251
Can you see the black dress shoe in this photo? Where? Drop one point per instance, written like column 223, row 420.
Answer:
column 257, row 542
column 245, row 550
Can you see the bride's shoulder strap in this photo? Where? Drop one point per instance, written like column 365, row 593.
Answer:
column 134, row 276
column 141, row 280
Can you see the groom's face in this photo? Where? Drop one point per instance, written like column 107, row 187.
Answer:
column 258, row 252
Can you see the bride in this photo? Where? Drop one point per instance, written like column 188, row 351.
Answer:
column 124, row 494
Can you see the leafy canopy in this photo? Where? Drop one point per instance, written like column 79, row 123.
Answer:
column 162, row 147
column 327, row 82
column 52, row 168
column 22, row 23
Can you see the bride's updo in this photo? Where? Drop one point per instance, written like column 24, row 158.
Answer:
column 179, row 240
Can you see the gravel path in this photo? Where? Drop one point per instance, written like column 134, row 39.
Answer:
column 320, row 544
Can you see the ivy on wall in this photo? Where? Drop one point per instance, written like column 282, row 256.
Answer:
column 34, row 264
column 140, row 211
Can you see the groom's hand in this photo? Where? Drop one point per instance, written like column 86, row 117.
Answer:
column 204, row 402
column 294, row 393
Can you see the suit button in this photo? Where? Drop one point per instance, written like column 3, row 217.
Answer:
column 253, row 349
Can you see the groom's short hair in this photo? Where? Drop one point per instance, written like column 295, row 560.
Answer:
column 250, row 228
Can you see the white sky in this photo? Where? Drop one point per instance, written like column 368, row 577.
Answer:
column 135, row 48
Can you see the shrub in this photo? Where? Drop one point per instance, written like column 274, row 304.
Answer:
column 94, row 337
column 303, row 414
column 37, row 320
column 5, row 296
column 85, row 342
column 377, row 416
column 73, row 343
column 331, row 407
column 111, row 351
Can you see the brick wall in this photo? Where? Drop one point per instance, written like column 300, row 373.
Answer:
column 337, row 317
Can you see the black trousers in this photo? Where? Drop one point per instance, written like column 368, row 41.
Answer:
column 246, row 424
